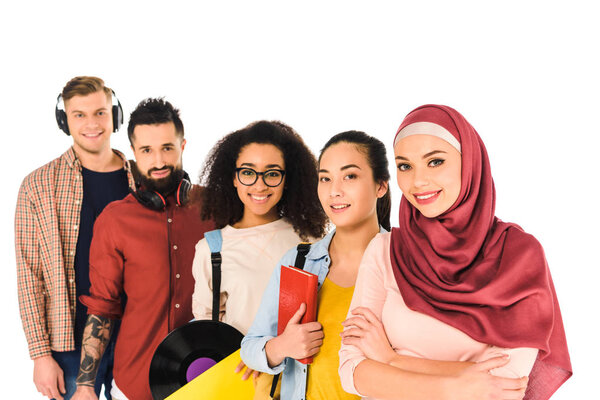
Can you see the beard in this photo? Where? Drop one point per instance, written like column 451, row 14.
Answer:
column 164, row 186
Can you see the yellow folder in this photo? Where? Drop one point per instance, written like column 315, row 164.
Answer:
column 218, row 382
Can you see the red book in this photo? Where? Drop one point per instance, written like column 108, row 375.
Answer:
column 296, row 286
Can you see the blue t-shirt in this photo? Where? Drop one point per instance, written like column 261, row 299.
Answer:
column 99, row 189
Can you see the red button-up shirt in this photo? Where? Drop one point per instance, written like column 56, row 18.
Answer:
column 147, row 255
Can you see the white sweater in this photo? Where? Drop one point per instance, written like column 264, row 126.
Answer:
column 249, row 257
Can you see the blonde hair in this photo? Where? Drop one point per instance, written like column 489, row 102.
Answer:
column 84, row 85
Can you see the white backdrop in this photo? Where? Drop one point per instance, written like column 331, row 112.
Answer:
column 525, row 74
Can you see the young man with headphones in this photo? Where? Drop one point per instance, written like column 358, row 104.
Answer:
column 143, row 248
column 56, row 209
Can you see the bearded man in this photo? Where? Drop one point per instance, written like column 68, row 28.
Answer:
column 142, row 251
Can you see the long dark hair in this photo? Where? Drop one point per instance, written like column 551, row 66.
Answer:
column 376, row 155
column 299, row 203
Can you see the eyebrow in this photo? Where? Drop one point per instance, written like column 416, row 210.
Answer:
column 424, row 156
column 162, row 145
column 433, row 152
column 342, row 168
column 269, row 166
column 79, row 111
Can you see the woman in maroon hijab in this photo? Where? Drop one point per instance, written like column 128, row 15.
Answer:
column 453, row 284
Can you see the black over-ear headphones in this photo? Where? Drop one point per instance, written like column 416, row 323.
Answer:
column 155, row 201
column 61, row 115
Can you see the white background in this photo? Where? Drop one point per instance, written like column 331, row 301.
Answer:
column 525, row 74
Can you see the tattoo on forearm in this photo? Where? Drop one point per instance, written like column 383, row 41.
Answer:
column 96, row 335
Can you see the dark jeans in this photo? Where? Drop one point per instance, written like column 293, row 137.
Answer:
column 69, row 362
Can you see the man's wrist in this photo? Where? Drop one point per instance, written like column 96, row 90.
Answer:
column 42, row 358
column 85, row 385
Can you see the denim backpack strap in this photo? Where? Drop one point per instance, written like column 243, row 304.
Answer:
column 302, row 251
column 215, row 242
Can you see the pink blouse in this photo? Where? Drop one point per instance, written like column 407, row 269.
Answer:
column 412, row 333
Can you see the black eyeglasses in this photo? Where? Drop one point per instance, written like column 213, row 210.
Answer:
column 271, row 177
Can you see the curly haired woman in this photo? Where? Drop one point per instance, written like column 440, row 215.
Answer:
column 249, row 178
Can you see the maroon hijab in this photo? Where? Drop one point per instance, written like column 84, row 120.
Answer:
column 476, row 273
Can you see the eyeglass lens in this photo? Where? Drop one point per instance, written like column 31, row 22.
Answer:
column 271, row 177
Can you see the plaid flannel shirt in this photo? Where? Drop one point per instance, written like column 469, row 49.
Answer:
column 46, row 233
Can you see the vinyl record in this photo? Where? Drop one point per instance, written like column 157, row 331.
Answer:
column 188, row 351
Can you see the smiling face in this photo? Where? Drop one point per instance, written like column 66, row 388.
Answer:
column 429, row 173
column 347, row 191
column 157, row 150
column 90, row 122
column 260, row 201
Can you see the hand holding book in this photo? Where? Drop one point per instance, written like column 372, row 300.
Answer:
column 299, row 336
column 298, row 340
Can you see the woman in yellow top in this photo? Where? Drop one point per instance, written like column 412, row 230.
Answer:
column 353, row 191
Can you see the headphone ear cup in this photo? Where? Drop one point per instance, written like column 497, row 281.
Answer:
column 61, row 115
column 151, row 200
column 117, row 112
column 183, row 191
